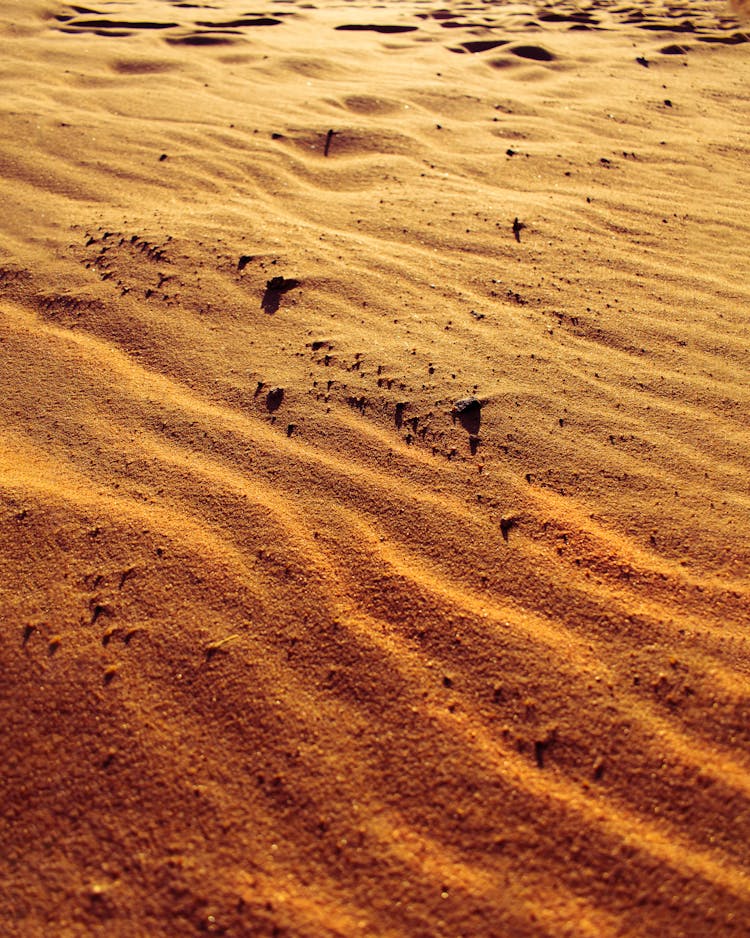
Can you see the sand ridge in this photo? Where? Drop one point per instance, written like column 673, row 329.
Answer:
column 291, row 643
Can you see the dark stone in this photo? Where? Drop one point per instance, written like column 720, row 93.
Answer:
column 400, row 407
column 506, row 523
column 274, row 398
column 469, row 413
column 467, row 404
column 275, row 289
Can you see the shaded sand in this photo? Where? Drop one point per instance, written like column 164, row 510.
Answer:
column 291, row 644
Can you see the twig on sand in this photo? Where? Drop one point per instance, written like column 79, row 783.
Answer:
column 213, row 647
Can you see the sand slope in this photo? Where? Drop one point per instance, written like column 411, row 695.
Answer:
column 289, row 646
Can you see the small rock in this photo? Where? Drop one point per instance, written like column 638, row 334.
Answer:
column 281, row 284
column 274, row 398
column 399, row 417
column 466, row 404
column 506, row 523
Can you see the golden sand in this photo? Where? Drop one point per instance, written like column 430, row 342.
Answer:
column 374, row 434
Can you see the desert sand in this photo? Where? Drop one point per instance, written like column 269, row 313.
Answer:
column 374, row 435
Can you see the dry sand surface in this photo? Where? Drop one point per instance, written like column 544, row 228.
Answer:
column 374, row 434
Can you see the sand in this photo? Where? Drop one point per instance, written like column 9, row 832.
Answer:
column 374, row 442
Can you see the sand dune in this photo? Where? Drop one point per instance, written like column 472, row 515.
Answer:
column 374, row 472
